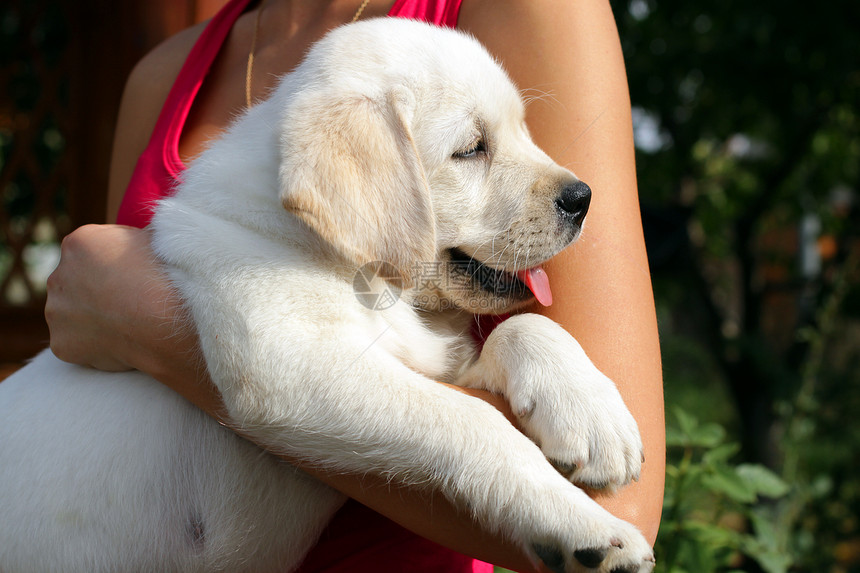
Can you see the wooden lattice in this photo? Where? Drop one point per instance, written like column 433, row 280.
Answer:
column 35, row 173
column 62, row 69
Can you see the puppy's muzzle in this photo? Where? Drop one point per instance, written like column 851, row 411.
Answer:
column 572, row 203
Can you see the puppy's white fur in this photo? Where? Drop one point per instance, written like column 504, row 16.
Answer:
column 363, row 154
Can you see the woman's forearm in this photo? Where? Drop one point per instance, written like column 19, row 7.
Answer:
column 571, row 51
column 149, row 330
column 156, row 336
column 137, row 321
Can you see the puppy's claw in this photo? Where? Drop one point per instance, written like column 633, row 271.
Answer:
column 564, row 468
column 645, row 566
column 597, row 485
column 526, row 411
column 626, row 569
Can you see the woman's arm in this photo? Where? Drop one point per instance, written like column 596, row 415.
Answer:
column 103, row 300
column 111, row 307
column 135, row 321
column 568, row 55
column 109, row 287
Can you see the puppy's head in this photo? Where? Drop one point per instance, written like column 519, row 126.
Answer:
column 406, row 143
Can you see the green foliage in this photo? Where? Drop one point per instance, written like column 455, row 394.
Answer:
column 748, row 151
column 748, row 156
column 711, row 502
column 721, row 514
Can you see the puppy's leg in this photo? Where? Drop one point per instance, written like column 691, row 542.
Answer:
column 362, row 411
column 103, row 472
column 562, row 401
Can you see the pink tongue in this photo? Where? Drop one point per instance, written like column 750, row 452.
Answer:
column 538, row 283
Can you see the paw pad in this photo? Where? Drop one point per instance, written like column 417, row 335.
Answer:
column 591, row 558
column 552, row 557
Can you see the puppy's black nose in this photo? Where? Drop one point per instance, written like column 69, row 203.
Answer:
column 573, row 202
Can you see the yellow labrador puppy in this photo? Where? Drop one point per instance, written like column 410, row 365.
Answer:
column 380, row 164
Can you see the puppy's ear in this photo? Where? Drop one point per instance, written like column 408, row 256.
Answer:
column 354, row 176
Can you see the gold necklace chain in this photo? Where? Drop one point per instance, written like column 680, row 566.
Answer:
column 359, row 11
column 249, row 69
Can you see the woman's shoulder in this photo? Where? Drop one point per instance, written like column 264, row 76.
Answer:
column 146, row 90
column 155, row 73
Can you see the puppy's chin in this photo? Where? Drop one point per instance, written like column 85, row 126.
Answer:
column 464, row 283
column 483, row 302
column 474, row 302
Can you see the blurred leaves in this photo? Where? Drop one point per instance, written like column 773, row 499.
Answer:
column 711, row 502
column 747, row 123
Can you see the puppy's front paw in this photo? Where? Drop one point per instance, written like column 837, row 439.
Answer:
column 632, row 556
column 586, row 432
column 597, row 542
column 562, row 401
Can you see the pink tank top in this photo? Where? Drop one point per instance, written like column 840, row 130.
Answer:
column 159, row 166
column 357, row 540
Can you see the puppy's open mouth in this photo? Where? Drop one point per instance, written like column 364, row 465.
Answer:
column 520, row 284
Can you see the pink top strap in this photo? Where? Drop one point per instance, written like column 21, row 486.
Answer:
column 159, row 167
column 439, row 12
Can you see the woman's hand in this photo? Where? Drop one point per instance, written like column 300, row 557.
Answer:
column 107, row 288
column 111, row 306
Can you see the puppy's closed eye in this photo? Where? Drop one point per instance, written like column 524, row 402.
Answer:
column 475, row 149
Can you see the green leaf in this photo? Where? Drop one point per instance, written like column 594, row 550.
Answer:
column 721, row 453
column 771, row 561
column 765, row 546
column 687, row 423
column 714, row 535
column 729, row 483
column 691, row 433
column 674, row 437
column 763, row 480
column 708, row 436
column 765, row 533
